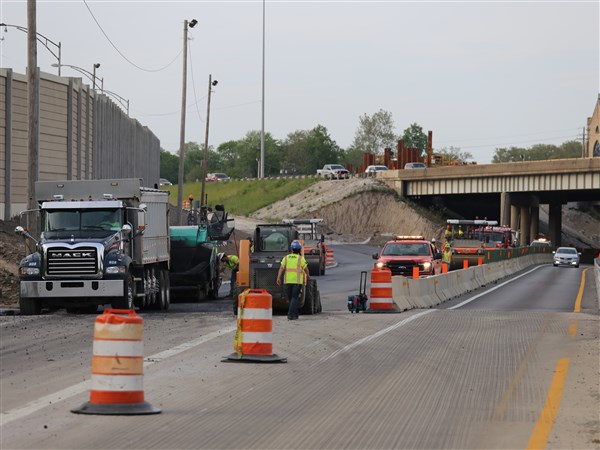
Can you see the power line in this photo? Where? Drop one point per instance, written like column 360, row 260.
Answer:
column 512, row 135
column 519, row 143
column 119, row 51
column 194, row 85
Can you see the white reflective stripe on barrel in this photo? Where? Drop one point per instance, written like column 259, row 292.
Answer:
column 120, row 348
column 253, row 336
column 117, row 382
column 259, row 314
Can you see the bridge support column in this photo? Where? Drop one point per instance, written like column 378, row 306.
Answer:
column 514, row 217
column 555, row 223
column 524, row 224
column 505, row 208
column 534, row 227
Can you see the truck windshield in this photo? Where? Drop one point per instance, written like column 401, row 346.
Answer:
column 416, row 249
column 81, row 220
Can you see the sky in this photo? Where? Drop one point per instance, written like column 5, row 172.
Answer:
column 479, row 74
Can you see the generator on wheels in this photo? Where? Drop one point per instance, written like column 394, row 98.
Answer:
column 357, row 303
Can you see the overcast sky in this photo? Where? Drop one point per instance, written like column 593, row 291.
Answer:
column 480, row 75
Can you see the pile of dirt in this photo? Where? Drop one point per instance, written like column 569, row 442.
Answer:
column 12, row 250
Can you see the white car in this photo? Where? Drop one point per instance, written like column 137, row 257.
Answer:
column 415, row 165
column 566, row 256
column 374, row 169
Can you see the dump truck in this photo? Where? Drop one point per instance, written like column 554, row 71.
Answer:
column 315, row 250
column 101, row 242
column 258, row 269
column 108, row 242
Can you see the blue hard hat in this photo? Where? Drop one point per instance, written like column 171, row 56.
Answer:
column 296, row 245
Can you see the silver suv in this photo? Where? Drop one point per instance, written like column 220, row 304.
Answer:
column 566, row 256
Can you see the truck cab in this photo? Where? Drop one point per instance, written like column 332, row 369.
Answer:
column 403, row 253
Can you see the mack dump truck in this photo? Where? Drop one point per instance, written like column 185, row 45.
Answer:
column 101, row 242
column 258, row 269
column 108, row 242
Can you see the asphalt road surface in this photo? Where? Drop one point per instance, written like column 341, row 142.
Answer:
column 509, row 366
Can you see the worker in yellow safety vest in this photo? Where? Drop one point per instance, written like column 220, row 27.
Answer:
column 231, row 262
column 447, row 255
column 294, row 269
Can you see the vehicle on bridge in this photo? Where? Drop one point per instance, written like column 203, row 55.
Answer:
column 404, row 253
column 258, row 269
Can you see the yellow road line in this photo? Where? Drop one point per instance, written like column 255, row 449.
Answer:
column 543, row 427
column 580, row 293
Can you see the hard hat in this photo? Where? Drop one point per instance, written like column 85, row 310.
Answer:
column 447, row 246
column 221, row 256
column 296, row 245
column 191, row 197
column 433, row 241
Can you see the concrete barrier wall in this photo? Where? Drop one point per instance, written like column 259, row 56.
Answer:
column 409, row 293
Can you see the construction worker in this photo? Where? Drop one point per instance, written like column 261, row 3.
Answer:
column 231, row 262
column 447, row 255
column 448, row 232
column 295, row 271
column 461, row 233
column 434, row 246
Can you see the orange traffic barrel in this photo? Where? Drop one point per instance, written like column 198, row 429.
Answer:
column 329, row 258
column 381, row 299
column 254, row 336
column 117, row 366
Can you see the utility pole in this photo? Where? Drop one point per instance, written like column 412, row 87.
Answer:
column 261, row 173
column 205, row 163
column 33, row 106
column 191, row 24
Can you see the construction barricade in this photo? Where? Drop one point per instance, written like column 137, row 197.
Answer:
column 117, row 366
column 400, row 293
column 381, row 298
column 329, row 258
column 253, row 340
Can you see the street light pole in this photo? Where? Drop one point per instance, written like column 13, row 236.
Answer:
column 205, row 164
column 41, row 39
column 186, row 24
column 262, row 130
column 96, row 66
column 33, row 102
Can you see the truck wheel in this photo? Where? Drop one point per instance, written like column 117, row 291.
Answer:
column 313, row 269
column 319, row 305
column 166, row 290
column 309, row 298
column 126, row 302
column 30, row 306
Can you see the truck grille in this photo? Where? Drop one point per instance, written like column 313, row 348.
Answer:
column 80, row 261
column 401, row 268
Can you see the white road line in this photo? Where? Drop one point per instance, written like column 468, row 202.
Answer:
column 375, row 335
column 40, row 403
column 414, row 317
column 493, row 289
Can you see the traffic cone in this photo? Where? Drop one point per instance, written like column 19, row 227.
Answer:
column 254, row 336
column 117, row 366
column 381, row 299
column 329, row 258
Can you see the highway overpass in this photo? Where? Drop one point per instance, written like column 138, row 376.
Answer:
column 512, row 192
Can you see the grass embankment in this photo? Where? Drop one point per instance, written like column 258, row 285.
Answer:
column 242, row 197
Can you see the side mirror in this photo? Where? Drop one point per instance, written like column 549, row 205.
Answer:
column 375, row 255
column 126, row 229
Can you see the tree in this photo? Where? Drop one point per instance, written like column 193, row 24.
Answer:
column 454, row 154
column 240, row 158
column 414, row 137
column 375, row 133
column 305, row 151
column 538, row 152
column 169, row 165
